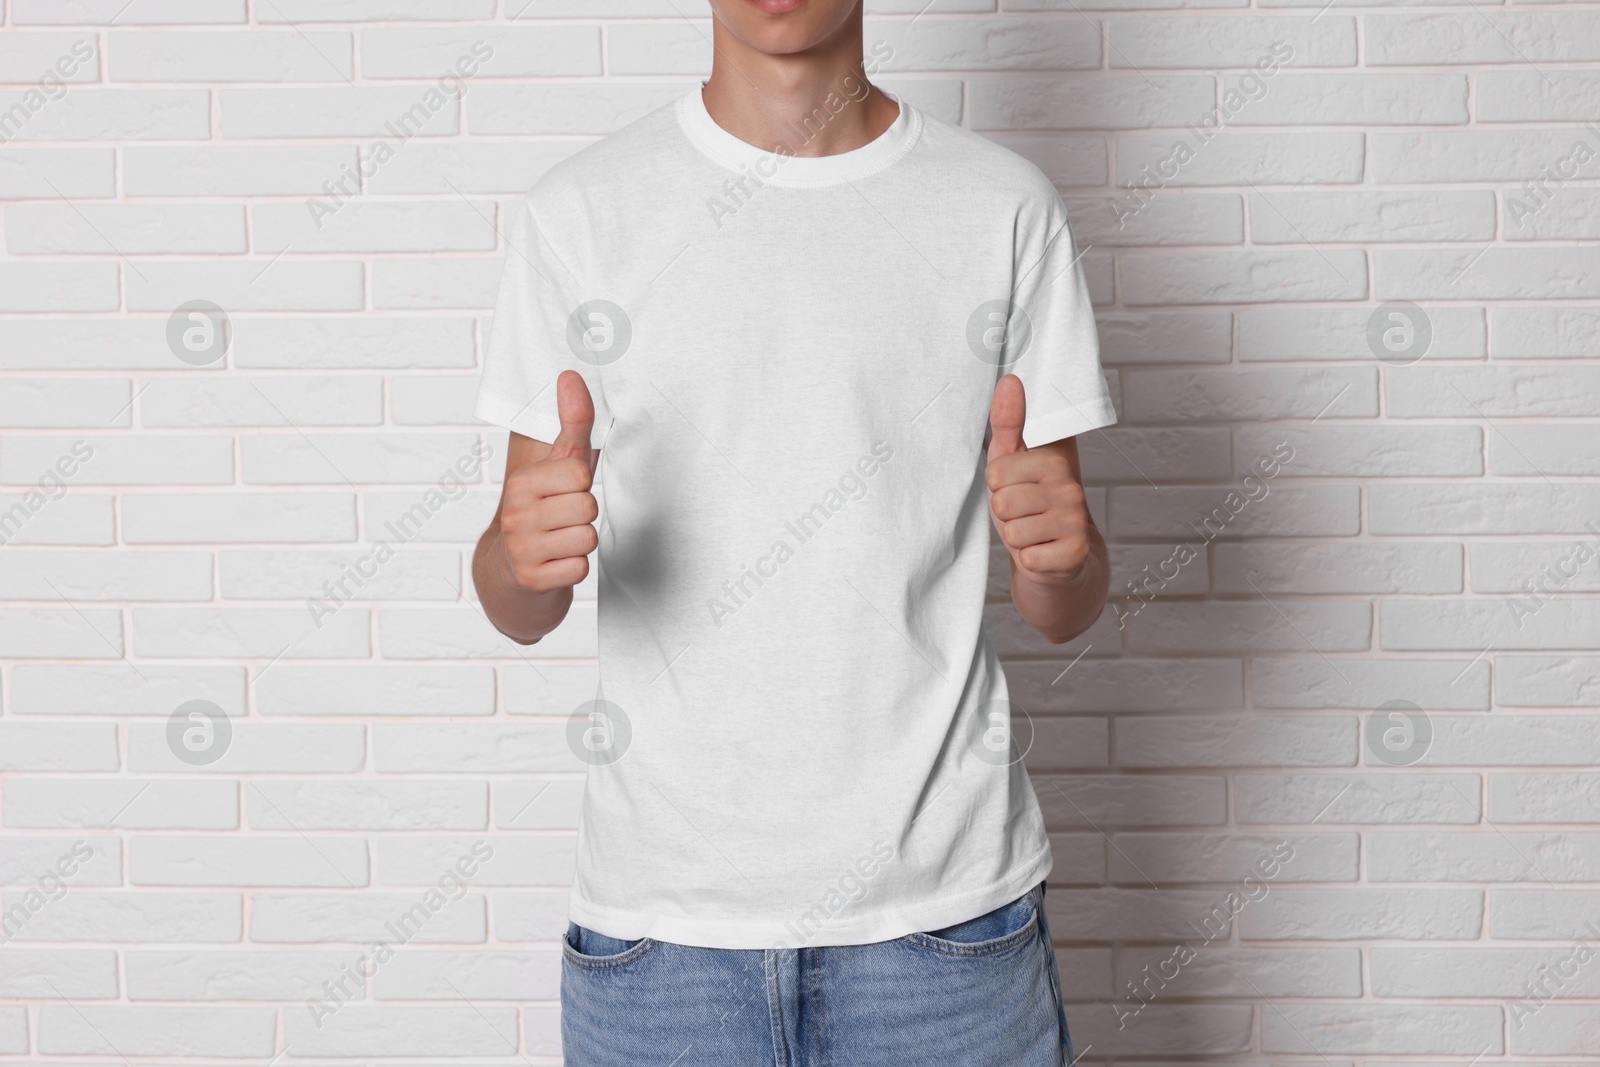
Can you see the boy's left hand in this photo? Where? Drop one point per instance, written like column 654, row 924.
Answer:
column 1035, row 498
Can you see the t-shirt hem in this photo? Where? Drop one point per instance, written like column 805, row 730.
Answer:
column 884, row 925
column 1068, row 422
column 519, row 416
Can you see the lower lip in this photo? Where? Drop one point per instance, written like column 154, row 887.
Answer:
column 778, row 7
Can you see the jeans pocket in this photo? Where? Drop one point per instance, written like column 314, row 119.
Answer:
column 995, row 931
column 583, row 947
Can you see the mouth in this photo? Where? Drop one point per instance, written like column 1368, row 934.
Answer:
column 776, row 7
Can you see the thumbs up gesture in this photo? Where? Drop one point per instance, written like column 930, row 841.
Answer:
column 1035, row 497
column 548, row 512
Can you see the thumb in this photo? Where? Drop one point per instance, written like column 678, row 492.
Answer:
column 575, row 407
column 1006, row 413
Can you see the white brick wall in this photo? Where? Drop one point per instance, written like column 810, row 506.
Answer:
column 1439, row 900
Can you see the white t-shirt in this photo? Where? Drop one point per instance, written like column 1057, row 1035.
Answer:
column 792, row 360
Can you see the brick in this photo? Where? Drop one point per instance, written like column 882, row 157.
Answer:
column 435, row 283
column 428, row 633
column 1392, row 1028
column 256, row 748
column 308, row 918
column 433, row 399
column 123, row 804
column 1229, row 858
column 223, row 56
column 1290, row 217
column 1244, row 277
column 27, row 746
column 258, row 860
column 378, row 10
column 332, row 578
column 107, row 115
column 477, row 748
column 1547, row 681
column 88, row 974
column 1251, row 626
column 1340, row 799
column 65, row 58
column 365, row 343
column 1549, row 798
column 1520, row 96
column 1545, row 332
column 1362, row 913
column 441, row 975
column 533, row 915
column 565, row 108
column 1074, row 802
column 1493, row 391
column 243, row 285
column 387, row 226
column 1126, row 685
column 1477, row 972
column 147, row 13
column 521, row 51
column 1165, row 1030
column 278, row 400
column 182, row 974
column 1239, row 158
column 313, row 805
column 116, row 917
column 1088, row 101
column 1341, row 333
column 297, row 458
column 1191, row 515
column 254, row 632
column 1314, row 683
column 63, row 633
column 1488, row 855
column 1545, row 450
column 106, row 576
column 1558, row 1029
column 1370, row 567
column 1569, row 214
column 238, row 518
column 1246, row 972
column 78, row 860
column 358, row 1030
column 1541, row 914
column 398, row 113
column 1065, row 160
column 1485, row 508
column 1367, row 451
column 147, row 459
column 377, row 690
column 45, row 172
column 1209, row 44
column 1162, row 337
column 1513, row 740
column 1479, row 37
column 538, row 804
column 1234, row 394
column 498, row 168
column 35, row 518
column 65, row 402
column 1453, row 156
column 1364, row 99
column 1166, row 220
column 1235, row 741
column 80, row 286
column 1136, row 453
column 234, row 170
column 423, row 859
column 1469, row 625
column 123, row 689
column 156, row 1031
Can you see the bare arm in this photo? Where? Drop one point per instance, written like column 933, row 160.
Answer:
column 537, row 545
column 1060, row 571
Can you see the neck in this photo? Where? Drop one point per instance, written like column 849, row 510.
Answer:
column 812, row 103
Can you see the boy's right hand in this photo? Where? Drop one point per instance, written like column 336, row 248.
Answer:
column 548, row 512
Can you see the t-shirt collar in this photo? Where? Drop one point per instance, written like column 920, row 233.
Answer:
column 776, row 169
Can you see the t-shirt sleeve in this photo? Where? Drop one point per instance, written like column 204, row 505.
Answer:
column 1060, row 364
column 532, row 339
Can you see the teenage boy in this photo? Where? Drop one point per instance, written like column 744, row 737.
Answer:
column 777, row 318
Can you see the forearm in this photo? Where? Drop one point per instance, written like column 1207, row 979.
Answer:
column 1061, row 609
column 522, row 614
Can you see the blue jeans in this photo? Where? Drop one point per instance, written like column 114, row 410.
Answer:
column 982, row 993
